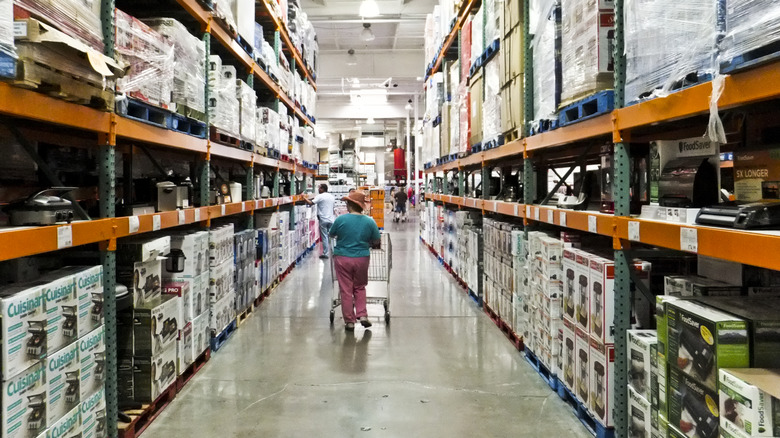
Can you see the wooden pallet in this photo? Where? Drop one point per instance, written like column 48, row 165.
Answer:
column 594, row 105
column 140, row 419
column 511, row 135
column 144, row 112
column 192, row 113
column 186, row 125
column 752, row 58
column 193, row 369
column 218, row 340
column 223, row 137
column 243, row 316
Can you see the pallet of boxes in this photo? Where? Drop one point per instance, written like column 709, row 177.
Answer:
column 246, row 284
column 222, row 291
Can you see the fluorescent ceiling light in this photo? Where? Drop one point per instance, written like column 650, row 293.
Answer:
column 369, row 8
column 366, row 34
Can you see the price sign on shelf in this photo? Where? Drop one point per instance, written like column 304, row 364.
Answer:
column 182, row 217
column 689, row 239
column 257, row 205
column 243, row 207
column 536, row 214
column 224, row 209
column 134, row 224
column 156, row 222
column 528, row 211
column 197, row 215
column 562, row 218
column 64, row 236
column 550, row 216
column 593, row 224
column 517, row 210
column 633, row 231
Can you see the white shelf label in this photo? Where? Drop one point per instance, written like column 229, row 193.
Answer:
column 64, row 236
column 550, row 216
column 689, row 239
column 156, row 222
column 593, row 225
column 528, row 211
column 243, row 207
column 536, row 214
column 134, row 223
column 517, row 210
column 257, row 205
column 197, row 215
column 495, row 207
column 182, row 217
column 562, row 218
column 633, row 231
column 224, row 208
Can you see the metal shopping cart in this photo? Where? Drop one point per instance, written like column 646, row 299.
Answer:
column 379, row 266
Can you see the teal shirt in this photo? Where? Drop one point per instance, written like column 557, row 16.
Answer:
column 354, row 234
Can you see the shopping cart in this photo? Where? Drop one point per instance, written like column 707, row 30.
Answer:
column 379, row 266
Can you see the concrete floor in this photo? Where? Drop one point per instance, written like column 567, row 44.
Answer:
column 442, row 368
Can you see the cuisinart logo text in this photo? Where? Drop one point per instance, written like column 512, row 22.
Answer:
column 94, row 279
column 65, row 427
column 25, row 382
column 55, row 364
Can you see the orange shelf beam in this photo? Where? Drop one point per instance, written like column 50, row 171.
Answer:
column 230, row 152
column 28, row 104
column 285, row 36
column 595, row 127
column 509, row 150
column 144, row 132
column 465, row 9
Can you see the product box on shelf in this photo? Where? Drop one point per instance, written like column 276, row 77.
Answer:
column 183, row 289
column 657, row 378
column 156, row 327
column 756, row 172
column 602, row 379
column 222, row 312
column 24, row 327
column 92, row 360
column 221, row 280
column 750, row 400
column 201, row 334
column 640, row 356
column 640, row 416
column 188, row 256
column 602, row 292
column 24, row 403
column 693, row 407
column 63, row 382
column 582, row 304
column 68, row 425
column 184, row 345
column 570, row 283
column 731, row 430
column 153, row 375
column 220, row 245
column 124, row 375
column 144, row 278
column 142, row 249
column 696, row 286
column 582, row 369
column 89, row 288
column 702, row 340
column 569, row 355
column 93, row 415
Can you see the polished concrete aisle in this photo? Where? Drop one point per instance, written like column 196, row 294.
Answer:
column 441, row 369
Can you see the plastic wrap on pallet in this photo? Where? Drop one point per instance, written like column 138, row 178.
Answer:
column 223, row 12
column 434, row 96
column 7, row 28
column 243, row 12
column 546, row 99
column 750, row 25
column 464, row 106
column 455, row 124
column 270, row 120
column 224, row 104
column 150, row 58
column 587, row 29
column 429, row 34
column 666, row 41
column 189, row 74
column 492, row 10
column 491, row 109
column 77, row 18
column 465, row 48
column 477, row 35
column 247, row 101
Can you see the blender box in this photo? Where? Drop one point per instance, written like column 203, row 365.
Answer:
column 221, row 280
column 582, row 368
column 24, row 327
column 93, row 415
column 602, row 296
column 24, row 403
column 184, row 289
column 693, row 407
column 201, row 334
column 63, row 382
column 602, row 379
column 142, row 249
column 153, row 375
column 582, row 303
column 750, row 400
column 222, row 313
column 156, row 327
column 702, row 340
column 61, row 310
column 89, row 288
column 92, row 359
column 67, row 426
column 569, row 356
column 640, row 416
column 184, row 344
column 188, row 256
column 570, row 285
column 145, row 278
column 640, row 358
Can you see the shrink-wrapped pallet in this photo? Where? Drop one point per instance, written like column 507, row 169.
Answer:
column 223, row 104
column 77, row 18
column 7, row 27
column 753, row 28
column 477, row 35
column 546, row 61
column 491, row 108
column 247, row 101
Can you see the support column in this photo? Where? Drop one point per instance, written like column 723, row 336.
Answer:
column 275, row 193
column 461, row 183
column 486, row 183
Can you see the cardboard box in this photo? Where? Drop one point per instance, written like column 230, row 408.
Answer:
column 476, row 101
column 61, row 310
column 640, row 357
column 144, row 279
column 661, row 303
column 221, row 245
column 24, row 327
column 512, row 16
column 602, row 296
column 153, row 375
column 582, row 303
column 750, row 400
column 184, row 345
column 570, row 285
column 156, row 327
column 89, row 288
column 569, row 355
column 92, row 358
column 93, row 415
column 602, row 380
column 142, row 249
column 655, row 379
column 693, row 407
column 702, row 340
column 188, row 257
column 63, row 382
column 125, row 389
column 757, row 174
column 201, row 334
column 69, row 425
column 639, row 415
column 221, row 281
column 582, row 368
column 695, row 286
column 183, row 289
column 730, row 430
column 24, row 403
column 222, row 313
column 663, row 428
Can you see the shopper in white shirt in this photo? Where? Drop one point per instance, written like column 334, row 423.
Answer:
column 325, row 203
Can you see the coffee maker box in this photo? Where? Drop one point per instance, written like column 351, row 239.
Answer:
column 569, row 355
column 582, row 369
column 693, row 407
column 24, row 403
column 92, row 359
column 93, row 415
column 602, row 380
column 89, row 288
column 640, row 358
column 24, row 327
column 185, row 346
column 61, row 310
column 702, row 340
column 221, row 281
column 153, row 375
column 63, row 382
column 222, row 313
column 144, row 279
column 602, row 296
column 156, row 327
column 570, row 284
column 582, row 297
column 201, row 334
column 640, row 416
column 750, row 400
column 67, row 426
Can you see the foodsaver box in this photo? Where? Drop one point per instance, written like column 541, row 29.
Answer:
column 750, row 401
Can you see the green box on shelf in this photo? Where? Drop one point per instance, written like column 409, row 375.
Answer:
column 693, row 407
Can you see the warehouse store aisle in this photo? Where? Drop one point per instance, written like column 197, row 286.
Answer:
column 441, row 368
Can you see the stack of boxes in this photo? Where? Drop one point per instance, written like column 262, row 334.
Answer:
column 267, row 135
column 267, row 257
column 247, row 105
column 223, row 103
column 469, row 250
column 642, row 378
column 546, row 62
column 498, row 280
column 511, row 67
column 222, row 293
column 245, row 249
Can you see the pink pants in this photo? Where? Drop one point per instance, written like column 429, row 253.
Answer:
column 352, row 273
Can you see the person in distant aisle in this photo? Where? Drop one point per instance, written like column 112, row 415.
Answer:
column 325, row 203
column 400, row 206
column 355, row 233
column 392, row 199
column 410, row 195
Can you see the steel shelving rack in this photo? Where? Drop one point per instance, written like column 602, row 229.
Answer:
column 56, row 120
column 741, row 89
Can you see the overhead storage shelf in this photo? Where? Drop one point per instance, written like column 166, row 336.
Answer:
column 262, row 10
column 465, row 10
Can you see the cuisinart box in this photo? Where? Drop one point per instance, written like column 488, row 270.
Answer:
column 61, row 310
column 156, row 327
column 702, row 339
column 89, row 288
column 92, row 356
column 68, row 426
column 640, row 357
column 750, row 400
column 63, row 382
column 640, row 416
column 93, row 415
column 153, row 375
column 570, row 288
column 602, row 379
column 693, row 407
column 24, row 327
column 24, row 403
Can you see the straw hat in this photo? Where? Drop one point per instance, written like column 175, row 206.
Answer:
column 358, row 198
